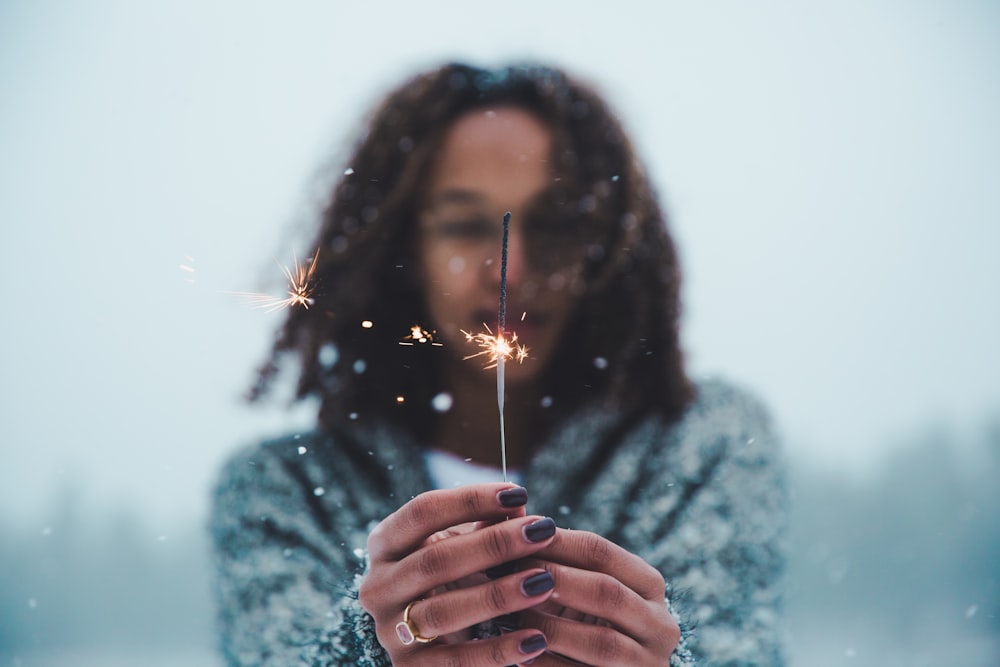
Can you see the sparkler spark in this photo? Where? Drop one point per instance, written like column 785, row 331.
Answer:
column 300, row 290
column 419, row 335
column 495, row 347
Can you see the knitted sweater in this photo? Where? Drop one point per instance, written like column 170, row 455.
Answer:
column 701, row 499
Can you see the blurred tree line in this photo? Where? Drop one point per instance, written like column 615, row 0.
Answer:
column 906, row 562
column 902, row 566
column 86, row 582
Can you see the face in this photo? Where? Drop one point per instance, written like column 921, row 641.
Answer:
column 493, row 161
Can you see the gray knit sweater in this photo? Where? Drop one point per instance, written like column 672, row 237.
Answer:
column 702, row 500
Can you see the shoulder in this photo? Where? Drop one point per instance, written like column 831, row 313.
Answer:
column 723, row 402
column 262, row 478
column 724, row 409
column 725, row 422
column 259, row 462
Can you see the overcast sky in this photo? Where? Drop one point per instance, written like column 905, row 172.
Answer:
column 830, row 168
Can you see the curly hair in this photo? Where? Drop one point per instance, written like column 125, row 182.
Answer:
column 624, row 347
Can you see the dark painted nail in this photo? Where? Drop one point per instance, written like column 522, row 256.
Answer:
column 540, row 530
column 537, row 584
column 533, row 644
column 516, row 497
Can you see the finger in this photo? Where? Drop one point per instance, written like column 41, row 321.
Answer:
column 589, row 644
column 510, row 649
column 601, row 596
column 408, row 527
column 588, row 551
column 440, row 562
column 457, row 610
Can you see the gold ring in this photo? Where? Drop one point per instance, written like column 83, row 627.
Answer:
column 407, row 632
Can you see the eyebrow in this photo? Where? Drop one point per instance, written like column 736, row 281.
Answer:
column 467, row 196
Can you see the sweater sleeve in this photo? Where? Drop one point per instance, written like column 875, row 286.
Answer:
column 713, row 517
column 286, row 573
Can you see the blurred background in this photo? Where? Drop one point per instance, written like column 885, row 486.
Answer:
column 831, row 172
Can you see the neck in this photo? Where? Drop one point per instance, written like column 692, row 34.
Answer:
column 471, row 428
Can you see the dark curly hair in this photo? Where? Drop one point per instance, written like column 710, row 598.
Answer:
column 624, row 348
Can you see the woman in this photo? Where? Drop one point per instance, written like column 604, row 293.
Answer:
column 331, row 547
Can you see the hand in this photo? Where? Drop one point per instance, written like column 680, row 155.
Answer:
column 608, row 606
column 426, row 553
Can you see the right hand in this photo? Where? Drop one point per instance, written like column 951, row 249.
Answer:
column 422, row 552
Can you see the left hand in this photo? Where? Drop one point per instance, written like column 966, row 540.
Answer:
column 608, row 606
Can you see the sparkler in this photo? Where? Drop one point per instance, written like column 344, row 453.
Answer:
column 496, row 348
column 419, row 335
column 300, row 290
column 502, row 321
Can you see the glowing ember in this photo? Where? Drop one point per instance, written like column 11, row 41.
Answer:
column 301, row 288
column 419, row 335
column 496, row 347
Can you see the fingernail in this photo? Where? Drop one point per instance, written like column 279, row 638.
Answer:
column 537, row 584
column 540, row 530
column 533, row 644
column 516, row 497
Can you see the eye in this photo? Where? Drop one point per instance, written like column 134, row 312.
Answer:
column 554, row 224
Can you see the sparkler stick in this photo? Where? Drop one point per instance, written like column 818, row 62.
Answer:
column 496, row 348
column 501, row 324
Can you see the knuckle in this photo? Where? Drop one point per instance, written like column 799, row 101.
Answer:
column 431, row 617
column 672, row 636
column 471, row 502
column 416, row 512
column 610, row 593
column 607, row 646
column 431, row 563
column 545, row 624
column 497, row 655
column 497, row 543
column 657, row 586
column 597, row 548
column 370, row 593
column 496, row 598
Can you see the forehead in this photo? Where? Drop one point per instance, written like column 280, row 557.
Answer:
column 503, row 153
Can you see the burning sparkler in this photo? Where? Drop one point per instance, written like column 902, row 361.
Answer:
column 496, row 348
column 300, row 290
column 419, row 335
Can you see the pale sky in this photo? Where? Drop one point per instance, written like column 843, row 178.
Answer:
column 830, row 168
